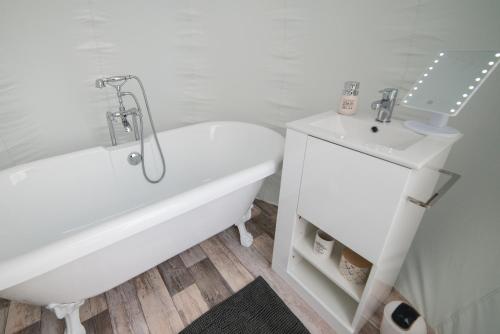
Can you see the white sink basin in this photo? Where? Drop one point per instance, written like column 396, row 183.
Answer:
column 390, row 141
column 368, row 133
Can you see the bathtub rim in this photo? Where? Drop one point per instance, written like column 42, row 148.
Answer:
column 111, row 149
column 24, row 267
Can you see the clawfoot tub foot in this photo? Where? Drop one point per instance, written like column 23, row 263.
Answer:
column 246, row 239
column 71, row 315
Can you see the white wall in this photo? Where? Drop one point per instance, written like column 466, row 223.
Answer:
column 263, row 61
column 452, row 270
column 266, row 61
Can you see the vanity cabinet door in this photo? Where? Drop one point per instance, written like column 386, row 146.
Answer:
column 350, row 195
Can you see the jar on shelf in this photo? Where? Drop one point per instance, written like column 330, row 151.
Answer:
column 354, row 267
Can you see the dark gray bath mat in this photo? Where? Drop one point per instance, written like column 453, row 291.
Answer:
column 255, row 309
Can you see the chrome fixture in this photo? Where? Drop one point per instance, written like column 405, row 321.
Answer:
column 440, row 193
column 122, row 114
column 134, row 158
column 385, row 106
column 116, row 81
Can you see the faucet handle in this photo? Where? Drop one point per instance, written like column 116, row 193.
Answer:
column 99, row 83
column 376, row 104
column 389, row 93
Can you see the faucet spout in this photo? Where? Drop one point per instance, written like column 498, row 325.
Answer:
column 125, row 123
column 385, row 106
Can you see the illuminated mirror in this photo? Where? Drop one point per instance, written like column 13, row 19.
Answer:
column 447, row 84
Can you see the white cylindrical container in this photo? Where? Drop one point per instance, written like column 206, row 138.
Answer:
column 401, row 318
column 323, row 244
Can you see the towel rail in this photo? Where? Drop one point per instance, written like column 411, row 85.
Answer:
column 440, row 193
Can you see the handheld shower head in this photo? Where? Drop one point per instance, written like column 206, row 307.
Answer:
column 115, row 81
column 99, row 83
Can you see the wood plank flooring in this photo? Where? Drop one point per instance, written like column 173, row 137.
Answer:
column 170, row 296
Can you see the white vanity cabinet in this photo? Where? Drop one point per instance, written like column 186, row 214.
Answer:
column 349, row 195
column 362, row 201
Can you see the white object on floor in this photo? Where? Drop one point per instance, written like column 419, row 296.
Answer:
column 71, row 314
column 246, row 238
column 104, row 224
column 388, row 326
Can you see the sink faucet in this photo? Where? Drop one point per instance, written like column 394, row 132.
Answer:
column 385, row 106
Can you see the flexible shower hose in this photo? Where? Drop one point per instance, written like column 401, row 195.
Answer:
column 155, row 136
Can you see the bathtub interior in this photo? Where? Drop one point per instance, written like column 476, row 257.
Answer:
column 54, row 198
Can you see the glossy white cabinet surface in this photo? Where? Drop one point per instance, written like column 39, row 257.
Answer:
column 354, row 184
column 350, row 195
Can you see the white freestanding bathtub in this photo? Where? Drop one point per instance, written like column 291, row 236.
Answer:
column 76, row 225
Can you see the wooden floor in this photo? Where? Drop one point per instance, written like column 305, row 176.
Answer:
column 170, row 296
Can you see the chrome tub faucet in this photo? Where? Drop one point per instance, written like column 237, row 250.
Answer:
column 123, row 116
column 135, row 113
column 134, row 158
column 385, row 106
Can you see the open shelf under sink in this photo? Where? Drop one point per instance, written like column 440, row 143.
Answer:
column 328, row 266
column 334, row 299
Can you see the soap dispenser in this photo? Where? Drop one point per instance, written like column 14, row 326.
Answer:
column 349, row 99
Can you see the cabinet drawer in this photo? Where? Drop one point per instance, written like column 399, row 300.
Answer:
column 350, row 195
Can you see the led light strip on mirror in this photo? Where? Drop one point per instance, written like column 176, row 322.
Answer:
column 468, row 91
